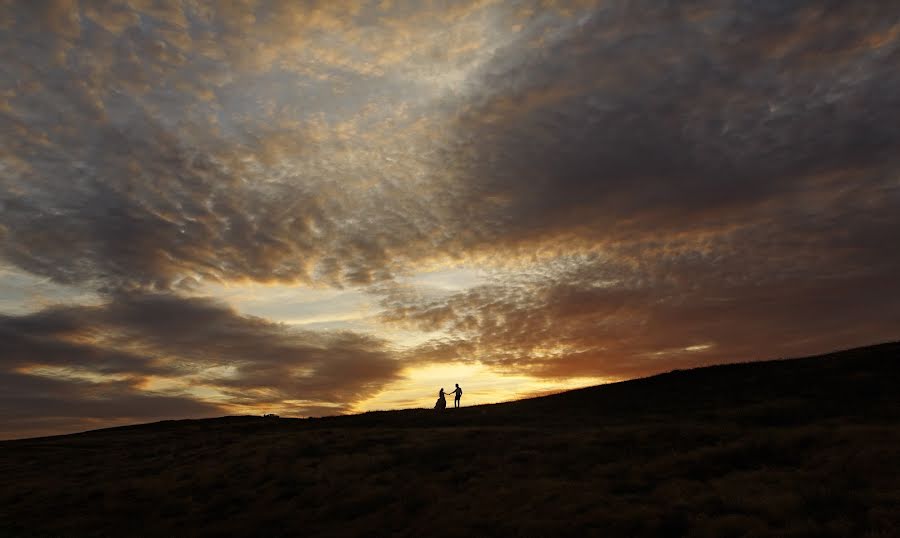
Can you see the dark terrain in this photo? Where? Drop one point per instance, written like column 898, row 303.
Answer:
column 800, row 447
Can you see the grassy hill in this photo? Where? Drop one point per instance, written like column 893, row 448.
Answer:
column 799, row 447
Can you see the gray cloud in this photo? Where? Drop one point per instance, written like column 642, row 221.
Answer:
column 139, row 158
column 758, row 291
column 32, row 405
column 662, row 184
column 649, row 117
column 109, row 356
column 148, row 160
column 708, row 183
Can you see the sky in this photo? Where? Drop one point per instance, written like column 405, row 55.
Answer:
column 312, row 208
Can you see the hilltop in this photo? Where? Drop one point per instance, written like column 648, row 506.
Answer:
column 793, row 447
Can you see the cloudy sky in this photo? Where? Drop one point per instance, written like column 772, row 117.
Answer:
column 311, row 208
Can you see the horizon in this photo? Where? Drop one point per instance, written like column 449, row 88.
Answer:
column 868, row 349
column 319, row 208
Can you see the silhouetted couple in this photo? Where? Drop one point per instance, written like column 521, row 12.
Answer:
column 442, row 400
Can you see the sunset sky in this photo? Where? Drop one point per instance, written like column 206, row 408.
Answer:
column 312, row 208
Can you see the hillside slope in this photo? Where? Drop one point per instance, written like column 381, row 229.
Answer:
column 800, row 447
column 851, row 382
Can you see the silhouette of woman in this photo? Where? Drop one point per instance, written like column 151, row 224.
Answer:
column 441, row 401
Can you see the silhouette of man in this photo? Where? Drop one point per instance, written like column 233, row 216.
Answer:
column 458, row 393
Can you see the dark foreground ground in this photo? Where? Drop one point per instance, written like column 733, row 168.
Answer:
column 804, row 447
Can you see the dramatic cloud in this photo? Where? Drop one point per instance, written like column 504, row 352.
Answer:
column 664, row 306
column 140, row 356
column 707, row 185
column 158, row 150
column 646, row 185
column 33, row 405
column 649, row 117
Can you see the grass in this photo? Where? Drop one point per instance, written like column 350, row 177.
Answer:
column 802, row 447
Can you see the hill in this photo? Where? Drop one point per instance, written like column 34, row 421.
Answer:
column 796, row 447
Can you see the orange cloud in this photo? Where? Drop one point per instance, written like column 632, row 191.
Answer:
column 646, row 186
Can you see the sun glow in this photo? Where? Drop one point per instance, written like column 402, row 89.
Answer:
column 480, row 384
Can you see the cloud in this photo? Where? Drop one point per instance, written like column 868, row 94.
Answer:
column 627, row 124
column 137, row 356
column 790, row 286
column 282, row 154
column 33, row 405
column 651, row 184
column 672, row 186
column 160, row 147
column 156, row 148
